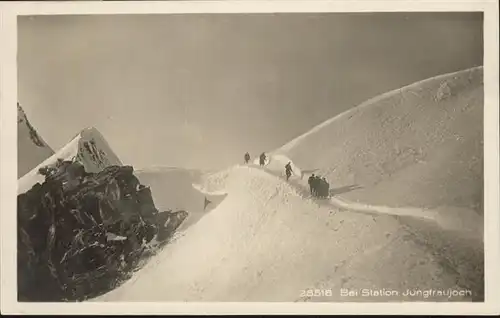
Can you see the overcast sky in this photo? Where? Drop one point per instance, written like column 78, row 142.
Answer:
column 201, row 90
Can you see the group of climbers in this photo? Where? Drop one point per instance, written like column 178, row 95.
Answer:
column 262, row 162
column 319, row 186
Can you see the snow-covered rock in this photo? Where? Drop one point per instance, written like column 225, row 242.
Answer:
column 89, row 148
column 80, row 240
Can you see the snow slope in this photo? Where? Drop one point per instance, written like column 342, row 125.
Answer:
column 418, row 146
column 461, row 221
column 88, row 147
column 412, row 158
column 267, row 242
column 172, row 189
column 31, row 148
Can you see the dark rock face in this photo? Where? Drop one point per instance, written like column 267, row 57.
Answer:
column 80, row 234
column 33, row 134
column 97, row 155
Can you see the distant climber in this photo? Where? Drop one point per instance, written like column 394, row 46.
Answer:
column 310, row 181
column 247, row 158
column 315, row 184
column 288, row 170
column 262, row 159
column 207, row 202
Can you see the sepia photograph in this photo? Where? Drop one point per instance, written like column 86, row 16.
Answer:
column 271, row 157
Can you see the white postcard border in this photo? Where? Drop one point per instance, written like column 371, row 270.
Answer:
column 8, row 154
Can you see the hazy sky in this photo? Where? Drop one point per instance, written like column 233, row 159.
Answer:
column 200, row 90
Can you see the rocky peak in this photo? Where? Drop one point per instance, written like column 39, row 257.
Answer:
column 82, row 233
column 22, row 118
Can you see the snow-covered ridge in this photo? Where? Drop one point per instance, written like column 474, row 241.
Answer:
column 372, row 101
column 88, row 148
column 277, row 162
column 419, row 146
column 268, row 239
column 460, row 220
column 225, row 256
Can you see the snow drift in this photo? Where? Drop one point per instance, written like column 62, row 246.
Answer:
column 418, row 146
column 89, row 148
column 31, row 148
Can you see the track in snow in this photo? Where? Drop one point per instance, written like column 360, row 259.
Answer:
column 451, row 236
column 225, row 256
column 462, row 221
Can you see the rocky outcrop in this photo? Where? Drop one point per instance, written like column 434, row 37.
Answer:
column 31, row 147
column 22, row 119
column 80, row 234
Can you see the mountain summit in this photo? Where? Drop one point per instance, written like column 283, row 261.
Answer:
column 89, row 148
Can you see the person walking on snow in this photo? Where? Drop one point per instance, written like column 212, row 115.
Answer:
column 262, row 159
column 310, row 181
column 288, row 170
column 316, row 185
column 322, row 188
column 247, row 158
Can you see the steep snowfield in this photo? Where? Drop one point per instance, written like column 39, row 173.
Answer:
column 31, row 148
column 89, row 148
column 418, row 146
column 412, row 159
column 267, row 242
column 172, row 189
